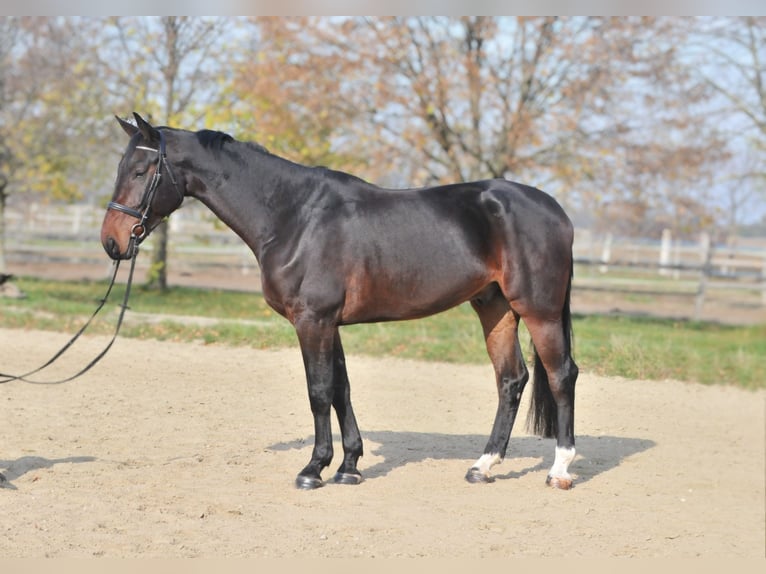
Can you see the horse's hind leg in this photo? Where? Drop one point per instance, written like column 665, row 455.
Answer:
column 554, row 393
column 500, row 325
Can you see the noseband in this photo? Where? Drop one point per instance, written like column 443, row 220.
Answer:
column 144, row 211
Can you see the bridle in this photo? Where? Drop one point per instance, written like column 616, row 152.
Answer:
column 139, row 230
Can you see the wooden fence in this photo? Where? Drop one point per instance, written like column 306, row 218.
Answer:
column 71, row 234
column 670, row 267
column 660, row 266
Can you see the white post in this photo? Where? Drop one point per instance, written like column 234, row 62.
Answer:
column 706, row 252
column 32, row 220
column 665, row 245
column 606, row 253
column 76, row 219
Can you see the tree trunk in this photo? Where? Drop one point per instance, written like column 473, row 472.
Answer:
column 157, row 277
column 158, row 272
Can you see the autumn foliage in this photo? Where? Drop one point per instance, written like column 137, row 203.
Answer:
column 635, row 124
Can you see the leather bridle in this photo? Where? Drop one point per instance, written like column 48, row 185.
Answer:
column 143, row 212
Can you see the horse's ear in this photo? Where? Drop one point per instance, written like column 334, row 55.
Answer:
column 150, row 133
column 128, row 128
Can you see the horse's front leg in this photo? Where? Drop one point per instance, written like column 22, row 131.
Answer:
column 352, row 440
column 317, row 346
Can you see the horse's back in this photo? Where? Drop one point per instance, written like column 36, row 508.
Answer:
column 527, row 206
column 365, row 253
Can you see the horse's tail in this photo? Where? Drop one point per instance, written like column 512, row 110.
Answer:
column 542, row 419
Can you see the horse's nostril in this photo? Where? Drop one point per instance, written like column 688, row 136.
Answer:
column 111, row 248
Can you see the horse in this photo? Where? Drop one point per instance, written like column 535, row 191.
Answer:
column 336, row 250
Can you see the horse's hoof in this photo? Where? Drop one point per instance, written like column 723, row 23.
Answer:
column 308, row 482
column 347, row 478
column 559, row 482
column 475, row 476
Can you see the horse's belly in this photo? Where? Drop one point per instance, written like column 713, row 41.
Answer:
column 372, row 299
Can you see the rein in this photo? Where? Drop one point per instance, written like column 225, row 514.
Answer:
column 138, row 233
column 6, row 378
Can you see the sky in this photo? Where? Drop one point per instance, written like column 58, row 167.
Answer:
column 387, row 7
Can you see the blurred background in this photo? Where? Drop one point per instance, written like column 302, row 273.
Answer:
column 650, row 131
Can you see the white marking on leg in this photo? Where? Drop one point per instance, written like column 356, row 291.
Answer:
column 487, row 461
column 564, row 457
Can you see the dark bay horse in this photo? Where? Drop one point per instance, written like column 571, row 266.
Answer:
column 335, row 250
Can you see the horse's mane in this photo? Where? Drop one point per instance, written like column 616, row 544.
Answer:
column 214, row 140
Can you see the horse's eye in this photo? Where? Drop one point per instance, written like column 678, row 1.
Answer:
column 140, row 174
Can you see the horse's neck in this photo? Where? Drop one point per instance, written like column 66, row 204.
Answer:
column 243, row 195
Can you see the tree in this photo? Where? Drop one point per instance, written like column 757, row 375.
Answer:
column 480, row 97
column 46, row 116
column 549, row 101
column 291, row 93
column 729, row 55
column 169, row 68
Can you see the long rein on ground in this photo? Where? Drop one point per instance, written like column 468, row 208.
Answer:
column 137, row 234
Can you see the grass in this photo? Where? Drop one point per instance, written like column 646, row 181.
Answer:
column 641, row 348
column 646, row 348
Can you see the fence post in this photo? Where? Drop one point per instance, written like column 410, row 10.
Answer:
column 606, row 253
column 706, row 255
column 76, row 211
column 665, row 245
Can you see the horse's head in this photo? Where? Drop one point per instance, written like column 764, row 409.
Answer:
column 146, row 190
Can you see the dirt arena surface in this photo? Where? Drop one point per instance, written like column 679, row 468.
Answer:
column 186, row 450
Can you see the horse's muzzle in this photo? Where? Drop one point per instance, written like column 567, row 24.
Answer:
column 112, row 249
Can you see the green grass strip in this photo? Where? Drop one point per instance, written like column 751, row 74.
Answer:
column 642, row 348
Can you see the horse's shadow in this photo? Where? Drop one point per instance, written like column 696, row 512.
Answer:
column 596, row 454
column 13, row 469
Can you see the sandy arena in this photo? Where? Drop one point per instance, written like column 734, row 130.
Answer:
column 186, row 450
